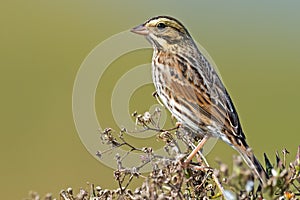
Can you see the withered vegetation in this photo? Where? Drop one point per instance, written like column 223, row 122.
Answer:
column 172, row 178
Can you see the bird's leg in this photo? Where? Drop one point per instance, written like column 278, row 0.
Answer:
column 205, row 163
column 195, row 151
column 213, row 174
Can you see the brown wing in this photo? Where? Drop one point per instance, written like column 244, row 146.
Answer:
column 202, row 97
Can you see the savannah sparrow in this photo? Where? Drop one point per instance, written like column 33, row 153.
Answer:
column 190, row 88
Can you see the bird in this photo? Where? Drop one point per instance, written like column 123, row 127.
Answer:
column 191, row 89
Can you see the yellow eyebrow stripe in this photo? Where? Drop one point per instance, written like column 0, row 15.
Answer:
column 167, row 22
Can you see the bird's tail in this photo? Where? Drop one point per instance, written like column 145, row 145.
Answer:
column 253, row 163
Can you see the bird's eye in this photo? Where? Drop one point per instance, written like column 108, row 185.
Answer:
column 160, row 26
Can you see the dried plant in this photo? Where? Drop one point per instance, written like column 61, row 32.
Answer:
column 172, row 178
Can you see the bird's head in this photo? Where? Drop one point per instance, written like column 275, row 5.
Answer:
column 163, row 32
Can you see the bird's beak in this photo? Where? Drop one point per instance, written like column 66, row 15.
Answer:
column 141, row 30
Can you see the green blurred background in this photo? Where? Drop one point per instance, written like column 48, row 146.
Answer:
column 43, row 43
